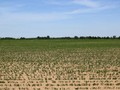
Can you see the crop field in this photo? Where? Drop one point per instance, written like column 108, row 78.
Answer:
column 60, row 64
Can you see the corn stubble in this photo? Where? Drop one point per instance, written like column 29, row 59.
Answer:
column 93, row 66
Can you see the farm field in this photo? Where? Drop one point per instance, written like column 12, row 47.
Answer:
column 60, row 64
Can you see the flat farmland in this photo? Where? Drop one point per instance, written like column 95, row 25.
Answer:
column 60, row 64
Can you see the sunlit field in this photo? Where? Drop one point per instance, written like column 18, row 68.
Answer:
column 61, row 64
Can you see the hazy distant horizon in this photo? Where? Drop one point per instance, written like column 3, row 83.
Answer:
column 59, row 18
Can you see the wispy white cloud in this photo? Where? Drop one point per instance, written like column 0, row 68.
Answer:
column 7, row 16
column 87, row 3
column 89, row 10
column 7, row 13
column 86, row 6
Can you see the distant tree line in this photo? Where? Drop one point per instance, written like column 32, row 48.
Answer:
column 48, row 37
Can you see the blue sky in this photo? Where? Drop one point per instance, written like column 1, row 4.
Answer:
column 57, row 18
